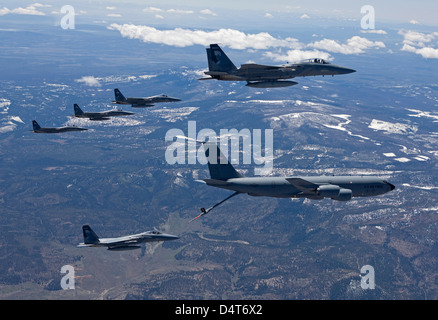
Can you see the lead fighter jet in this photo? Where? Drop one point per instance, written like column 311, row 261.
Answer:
column 38, row 129
column 99, row 116
column 220, row 67
column 341, row 188
column 122, row 243
column 141, row 102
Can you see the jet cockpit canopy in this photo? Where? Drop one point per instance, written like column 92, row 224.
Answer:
column 318, row 60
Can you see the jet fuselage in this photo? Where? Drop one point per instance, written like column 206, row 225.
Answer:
column 255, row 72
column 142, row 102
column 58, row 130
column 149, row 236
column 98, row 116
column 280, row 187
column 220, row 67
column 38, row 129
column 123, row 243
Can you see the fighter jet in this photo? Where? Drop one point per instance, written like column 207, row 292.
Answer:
column 99, row 116
column 38, row 129
column 263, row 76
column 141, row 102
column 130, row 242
column 341, row 188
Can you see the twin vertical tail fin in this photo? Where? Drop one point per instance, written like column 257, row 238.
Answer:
column 90, row 237
column 218, row 165
column 78, row 111
column 35, row 125
column 119, row 96
column 218, row 60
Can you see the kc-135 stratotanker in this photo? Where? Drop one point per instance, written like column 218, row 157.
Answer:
column 341, row 188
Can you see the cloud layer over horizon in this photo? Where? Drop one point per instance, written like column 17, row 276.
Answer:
column 239, row 40
column 420, row 43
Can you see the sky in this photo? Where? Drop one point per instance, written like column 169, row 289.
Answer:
column 396, row 11
column 400, row 11
column 244, row 25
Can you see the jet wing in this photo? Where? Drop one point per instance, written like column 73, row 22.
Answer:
column 83, row 245
column 214, row 182
column 303, row 185
column 99, row 118
column 139, row 100
column 230, row 76
column 132, row 239
column 216, row 73
column 147, row 105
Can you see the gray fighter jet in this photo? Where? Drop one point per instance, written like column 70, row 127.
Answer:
column 341, row 188
column 130, row 242
column 99, row 116
column 142, row 102
column 263, row 76
column 38, row 129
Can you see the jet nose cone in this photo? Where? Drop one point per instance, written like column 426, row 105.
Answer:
column 392, row 186
column 341, row 70
column 348, row 70
column 171, row 237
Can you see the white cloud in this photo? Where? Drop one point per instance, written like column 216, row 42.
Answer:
column 235, row 39
column 416, row 38
column 354, row 45
column 110, row 8
column 268, row 15
column 428, row 52
column 4, row 103
column 374, row 31
column 175, row 11
column 178, row 11
column 305, row 16
column 29, row 10
column 179, row 37
column 39, row 5
column 413, row 22
column 116, row 15
column 416, row 42
column 297, row 55
column 208, row 12
column 152, row 9
column 97, row 82
column 89, row 81
column 4, row 11
column 425, row 52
